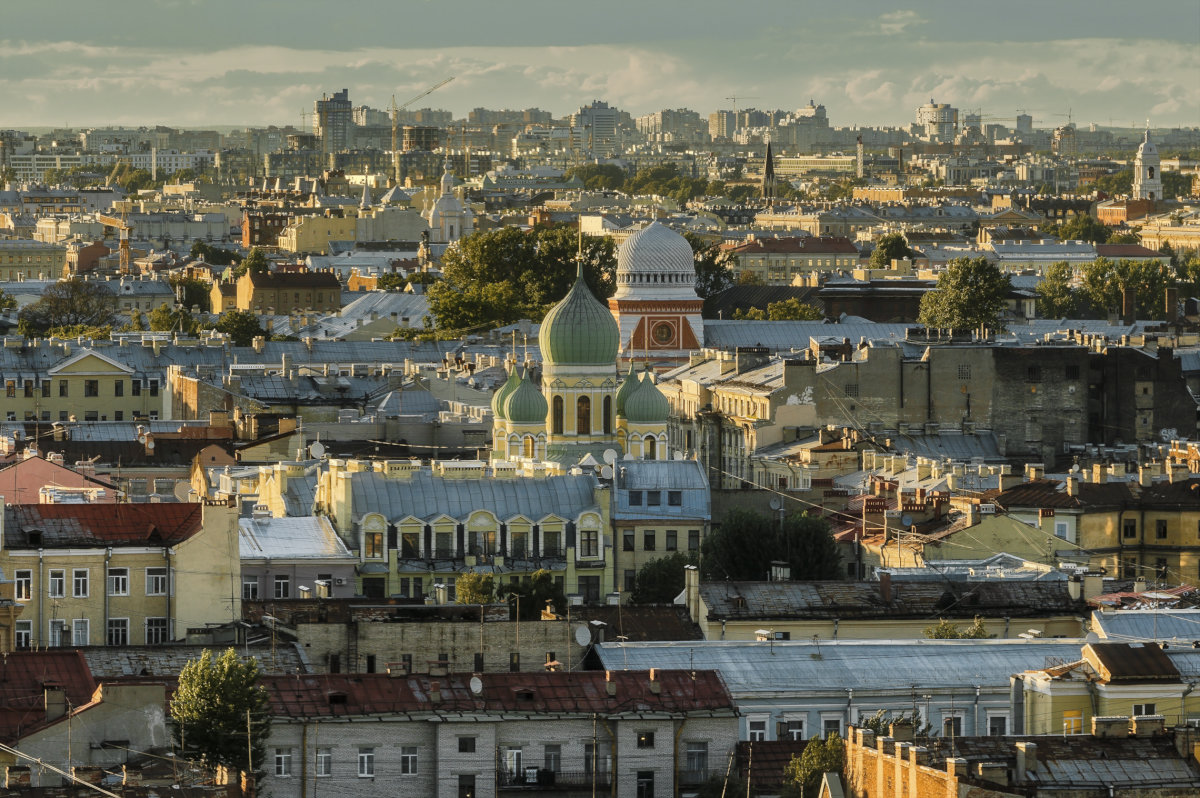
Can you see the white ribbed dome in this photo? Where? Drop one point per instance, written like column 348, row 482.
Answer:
column 1147, row 149
column 656, row 262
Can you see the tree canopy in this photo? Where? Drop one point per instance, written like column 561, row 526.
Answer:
column 7, row 300
column 216, row 704
column 746, row 543
column 970, row 293
column 1104, row 282
column 69, row 303
column 803, row 774
column 215, row 256
column 496, row 277
column 1056, row 296
column 892, row 246
column 254, row 263
column 714, row 266
column 241, row 326
column 534, row 593
column 1083, row 227
column 784, row 310
column 945, row 630
column 192, row 292
column 166, row 318
column 660, row 581
column 474, row 588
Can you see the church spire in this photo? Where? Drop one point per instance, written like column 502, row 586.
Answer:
column 768, row 182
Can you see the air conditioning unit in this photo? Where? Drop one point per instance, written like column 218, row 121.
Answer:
column 339, row 581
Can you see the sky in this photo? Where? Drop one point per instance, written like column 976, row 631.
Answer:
column 200, row 63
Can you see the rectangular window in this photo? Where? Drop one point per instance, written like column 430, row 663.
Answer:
column 91, row 387
column 653, row 498
column 693, row 540
column 850, row 389
column 794, row 729
column 674, row 498
column 250, row 587
column 62, row 388
column 408, row 760
column 1060, row 529
column 630, row 579
column 157, row 631
column 28, row 386
column 283, row 762
column 135, row 387
column 80, row 632
column 831, row 726
column 46, row 389
column 552, row 758
column 1072, row 372
column 757, row 730
column 696, row 761
column 466, row 786
column 23, row 635
column 1033, row 374
column 1144, row 709
column 466, row 745
column 997, row 725
column 1072, row 721
column 635, row 498
column 952, row 726
column 283, row 586
column 118, row 632
column 58, row 633
column 118, row 581
column 119, row 388
column 589, row 586
column 964, row 371
column 1129, row 567
column 79, row 583
column 24, row 587
column 366, row 763
column 1160, row 529
column 672, row 542
column 1160, row 567
column 645, row 739
column 373, row 545
column 645, row 784
column 1129, row 528
column 156, row 581
column 154, row 387
column 627, row 540
column 589, row 543
column 57, row 587
column 324, row 762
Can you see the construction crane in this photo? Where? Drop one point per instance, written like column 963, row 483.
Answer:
column 396, row 109
column 123, row 228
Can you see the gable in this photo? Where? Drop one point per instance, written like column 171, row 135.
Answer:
column 89, row 362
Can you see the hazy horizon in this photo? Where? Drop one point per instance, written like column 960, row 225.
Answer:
column 216, row 63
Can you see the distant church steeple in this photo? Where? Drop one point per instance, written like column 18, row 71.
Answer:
column 1147, row 176
column 768, row 181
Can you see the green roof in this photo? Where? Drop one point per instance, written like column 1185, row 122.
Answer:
column 526, row 405
column 579, row 330
column 631, row 383
column 647, row 405
column 506, row 390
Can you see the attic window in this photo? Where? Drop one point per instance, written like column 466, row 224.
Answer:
column 739, row 602
column 35, row 537
column 524, row 695
column 337, row 698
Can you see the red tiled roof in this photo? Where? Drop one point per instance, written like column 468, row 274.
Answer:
column 83, row 524
column 24, row 677
column 570, row 692
column 797, row 244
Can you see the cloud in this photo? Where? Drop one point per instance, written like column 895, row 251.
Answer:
column 897, row 22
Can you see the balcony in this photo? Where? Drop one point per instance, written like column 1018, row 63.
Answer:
column 541, row 779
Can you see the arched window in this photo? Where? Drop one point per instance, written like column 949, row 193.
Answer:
column 1151, row 172
column 529, row 446
column 649, row 447
column 583, row 416
column 556, row 416
column 607, row 421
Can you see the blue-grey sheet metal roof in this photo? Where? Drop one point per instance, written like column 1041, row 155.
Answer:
column 307, row 537
column 426, row 496
column 125, row 430
column 1189, row 359
column 1187, row 661
column 787, row 335
column 835, row 665
column 409, row 402
column 954, row 445
column 685, row 476
column 1163, row 624
column 300, row 495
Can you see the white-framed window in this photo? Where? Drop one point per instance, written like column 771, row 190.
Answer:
column 324, row 762
column 157, row 582
column 283, row 586
column 57, row 632
column 512, row 761
column 283, row 762
column 408, row 760
column 831, row 723
column 1060, row 529
column 158, row 631
column 80, row 632
column 23, row 591
column 1144, row 709
column 696, row 759
column 250, row 588
column 952, row 724
column 118, row 632
column 756, row 728
column 56, row 586
column 118, row 581
column 366, row 763
column 997, row 724
column 793, row 728
column 79, row 583
column 23, row 634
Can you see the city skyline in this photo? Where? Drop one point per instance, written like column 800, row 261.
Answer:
column 217, row 63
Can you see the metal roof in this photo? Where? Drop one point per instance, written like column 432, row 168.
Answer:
column 308, row 537
column 66, row 525
column 1148, row 624
column 788, row 335
column 835, row 665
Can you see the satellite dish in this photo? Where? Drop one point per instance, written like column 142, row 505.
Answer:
column 607, row 472
column 476, row 685
column 582, row 636
column 776, row 503
column 150, row 445
column 610, row 456
column 906, row 520
column 316, row 449
column 141, row 438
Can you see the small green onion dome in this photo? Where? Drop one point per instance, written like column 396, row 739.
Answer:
column 505, row 391
column 526, row 405
column 632, row 380
column 647, row 405
column 579, row 330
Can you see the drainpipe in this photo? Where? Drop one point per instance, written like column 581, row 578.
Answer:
column 37, row 636
column 170, row 590
column 104, row 587
column 977, row 690
column 304, row 758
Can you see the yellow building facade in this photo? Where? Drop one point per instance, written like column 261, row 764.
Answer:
column 84, row 386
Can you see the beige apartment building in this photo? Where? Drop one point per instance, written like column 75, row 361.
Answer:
column 87, row 386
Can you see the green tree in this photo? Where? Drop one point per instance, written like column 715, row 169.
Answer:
column 214, row 256
column 1104, row 282
column 882, row 720
column 254, row 263
column 1056, row 297
column 749, row 314
column 660, row 581
column 745, row 544
column 970, row 293
column 166, row 318
column 598, row 176
column 1123, row 238
column 945, row 630
column 475, row 588
column 803, row 774
column 1117, row 183
column 136, row 323
column 534, row 595
column 69, row 303
column 391, row 281
column 97, row 332
column 496, row 277
column 793, row 310
column 1187, row 273
column 1176, row 185
column 216, row 704
column 241, row 327
column 714, row 266
column 892, row 246
column 192, row 292
column 1082, row 227
column 7, row 300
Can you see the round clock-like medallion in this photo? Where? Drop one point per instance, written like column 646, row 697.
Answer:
column 663, row 333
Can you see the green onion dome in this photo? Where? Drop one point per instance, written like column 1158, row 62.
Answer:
column 646, row 404
column 510, row 385
column 526, row 405
column 631, row 383
column 579, row 330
